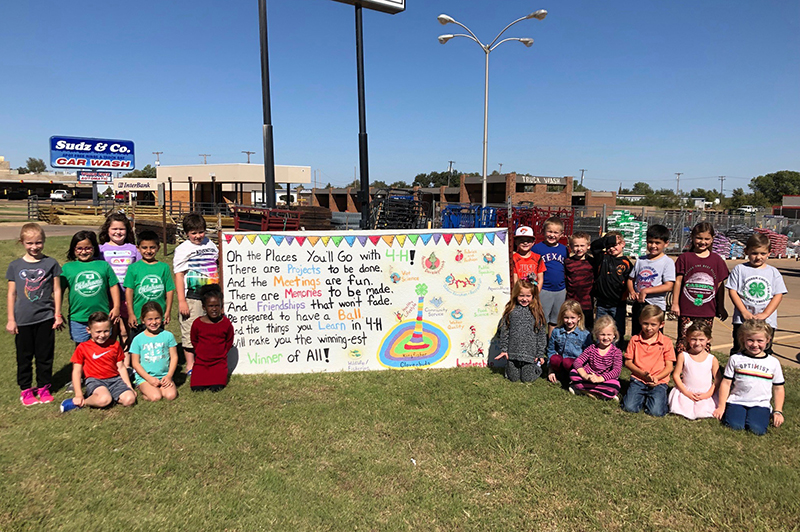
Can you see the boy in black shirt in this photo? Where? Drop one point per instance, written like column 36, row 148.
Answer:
column 611, row 270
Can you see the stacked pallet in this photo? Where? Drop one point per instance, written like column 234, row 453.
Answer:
column 777, row 242
column 634, row 231
column 721, row 245
column 314, row 218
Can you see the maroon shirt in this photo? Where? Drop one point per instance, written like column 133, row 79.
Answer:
column 701, row 277
column 580, row 278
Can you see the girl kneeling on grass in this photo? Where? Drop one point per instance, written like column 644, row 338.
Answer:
column 696, row 376
column 212, row 338
column 567, row 341
column 154, row 355
column 523, row 333
column 596, row 372
column 751, row 379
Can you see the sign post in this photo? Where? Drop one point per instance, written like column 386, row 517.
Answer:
column 387, row 6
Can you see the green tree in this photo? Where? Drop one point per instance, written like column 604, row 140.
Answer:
column 147, row 171
column 36, row 166
column 642, row 188
column 708, row 195
column 579, row 188
column 22, row 170
column 776, row 185
column 737, row 199
column 400, row 184
column 437, row 179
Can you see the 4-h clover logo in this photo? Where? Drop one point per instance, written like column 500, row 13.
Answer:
column 757, row 290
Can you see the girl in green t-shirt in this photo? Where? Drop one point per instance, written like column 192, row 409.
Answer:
column 89, row 280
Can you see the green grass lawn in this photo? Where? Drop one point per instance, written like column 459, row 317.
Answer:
column 456, row 449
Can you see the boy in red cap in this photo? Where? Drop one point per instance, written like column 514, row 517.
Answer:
column 526, row 264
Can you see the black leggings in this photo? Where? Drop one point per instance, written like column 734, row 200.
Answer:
column 35, row 341
column 213, row 388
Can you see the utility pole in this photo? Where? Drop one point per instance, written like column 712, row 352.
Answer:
column 582, row 171
column 721, row 189
column 450, row 172
column 249, row 153
column 204, row 155
column 158, row 160
column 501, row 167
column 678, row 185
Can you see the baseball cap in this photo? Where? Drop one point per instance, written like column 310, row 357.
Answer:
column 524, row 230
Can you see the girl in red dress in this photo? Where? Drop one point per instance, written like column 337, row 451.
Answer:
column 212, row 337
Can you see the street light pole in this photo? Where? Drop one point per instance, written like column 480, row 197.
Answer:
column 487, row 49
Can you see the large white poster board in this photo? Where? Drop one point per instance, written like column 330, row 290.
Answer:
column 363, row 300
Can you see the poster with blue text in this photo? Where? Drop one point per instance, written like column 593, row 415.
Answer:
column 363, row 300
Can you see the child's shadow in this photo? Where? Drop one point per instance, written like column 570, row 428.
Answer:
column 494, row 365
column 61, row 377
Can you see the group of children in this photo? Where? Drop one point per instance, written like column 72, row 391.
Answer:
column 120, row 299
column 558, row 298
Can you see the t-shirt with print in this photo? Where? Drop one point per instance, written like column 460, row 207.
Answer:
column 199, row 262
column 150, row 281
column 88, row 284
column 153, row 353
column 753, row 379
column 99, row 361
column 649, row 273
column 756, row 288
column 525, row 266
column 701, row 275
column 553, row 258
column 34, row 289
column 120, row 258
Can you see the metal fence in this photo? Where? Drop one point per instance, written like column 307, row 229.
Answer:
column 593, row 219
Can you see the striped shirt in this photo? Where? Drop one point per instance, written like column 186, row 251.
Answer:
column 607, row 366
column 579, row 278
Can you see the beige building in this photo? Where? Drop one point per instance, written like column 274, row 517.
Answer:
column 229, row 183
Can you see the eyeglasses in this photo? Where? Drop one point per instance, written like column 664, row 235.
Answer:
column 80, row 250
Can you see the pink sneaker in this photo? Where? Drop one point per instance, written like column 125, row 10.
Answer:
column 28, row 398
column 44, row 394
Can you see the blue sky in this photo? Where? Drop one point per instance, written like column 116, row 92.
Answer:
column 629, row 90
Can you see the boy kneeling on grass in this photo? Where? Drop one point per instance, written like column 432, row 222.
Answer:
column 102, row 361
column 650, row 357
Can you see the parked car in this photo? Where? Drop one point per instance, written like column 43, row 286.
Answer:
column 121, row 197
column 60, row 195
column 747, row 209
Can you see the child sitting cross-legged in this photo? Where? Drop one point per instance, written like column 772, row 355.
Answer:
column 650, row 357
column 101, row 360
column 596, row 372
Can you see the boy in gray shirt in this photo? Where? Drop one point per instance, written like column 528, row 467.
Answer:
column 652, row 276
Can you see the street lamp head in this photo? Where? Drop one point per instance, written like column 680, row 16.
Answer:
column 527, row 41
column 445, row 19
column 444, row 38
column 539, row 15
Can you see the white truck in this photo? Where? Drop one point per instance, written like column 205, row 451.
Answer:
column 60, row 195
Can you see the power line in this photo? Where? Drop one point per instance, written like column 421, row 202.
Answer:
column 678, row 185
column 721, row 186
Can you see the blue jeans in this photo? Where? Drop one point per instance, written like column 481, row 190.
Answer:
column 753, row 418
column 617, row 312
column 654, row 399
column 78, row 332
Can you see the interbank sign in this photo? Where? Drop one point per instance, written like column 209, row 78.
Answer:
column 89, row 153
